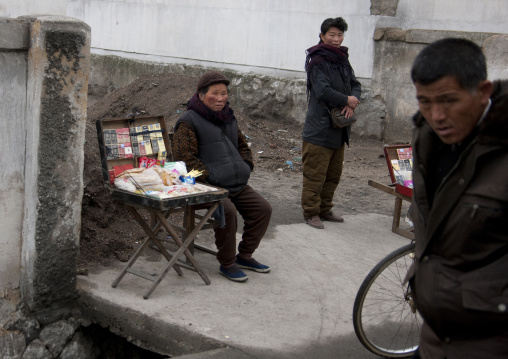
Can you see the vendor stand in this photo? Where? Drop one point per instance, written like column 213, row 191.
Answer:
column 132, row 150
column 399, row 159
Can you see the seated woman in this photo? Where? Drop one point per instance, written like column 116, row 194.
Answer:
column 207, row 138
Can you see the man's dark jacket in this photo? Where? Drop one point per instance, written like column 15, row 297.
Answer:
column 460, row 276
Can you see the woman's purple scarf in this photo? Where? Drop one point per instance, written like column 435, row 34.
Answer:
column 325, row 53
column 225, row 115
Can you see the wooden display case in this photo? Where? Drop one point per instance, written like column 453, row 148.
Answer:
column 399, row 159
column 123, row 141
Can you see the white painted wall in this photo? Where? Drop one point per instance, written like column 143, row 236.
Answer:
column 15, row 8
column 264, row 36
column 456, row 15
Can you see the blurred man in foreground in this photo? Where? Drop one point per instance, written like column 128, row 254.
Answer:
column 460, row 206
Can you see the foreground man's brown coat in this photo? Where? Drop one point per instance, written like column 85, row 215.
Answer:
column 460, row 275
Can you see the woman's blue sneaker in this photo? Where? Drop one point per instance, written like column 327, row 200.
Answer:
column 252, row 264
column 233, row 273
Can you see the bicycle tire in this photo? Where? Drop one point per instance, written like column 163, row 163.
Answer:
column 384, row 314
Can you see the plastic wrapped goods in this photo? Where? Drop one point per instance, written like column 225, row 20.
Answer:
column 169, row 177
column 139, row 180
column 178, row 166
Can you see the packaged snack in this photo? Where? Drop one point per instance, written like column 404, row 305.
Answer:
column 178, row 166
column 151, row 162
column 142, row 162
column 188, row 179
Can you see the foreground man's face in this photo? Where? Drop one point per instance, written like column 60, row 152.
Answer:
column 450, row 110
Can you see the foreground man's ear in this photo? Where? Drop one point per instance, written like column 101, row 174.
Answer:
column 485, row 91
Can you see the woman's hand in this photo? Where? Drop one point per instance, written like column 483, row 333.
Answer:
column 347, row 111
column 352, row 102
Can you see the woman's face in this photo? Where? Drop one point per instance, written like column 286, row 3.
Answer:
column 216, row 97
column 333, row 37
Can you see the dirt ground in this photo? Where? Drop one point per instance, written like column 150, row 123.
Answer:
column 108, row 233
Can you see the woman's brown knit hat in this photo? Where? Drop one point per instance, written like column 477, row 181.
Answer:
column 211, row 78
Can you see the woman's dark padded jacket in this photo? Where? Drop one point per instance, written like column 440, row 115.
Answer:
column 330, row 87
column 218, row 149
column 461, row 268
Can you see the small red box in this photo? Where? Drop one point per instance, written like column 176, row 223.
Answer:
column 112, row 177
column 406, row 191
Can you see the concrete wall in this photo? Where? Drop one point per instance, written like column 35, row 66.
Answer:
column 44, row 64
column 261, row 97
column 15, row 8
column 395, row 52
column 266, row 36
column 262, row 45
column 266, row 41
column 451, row 15
column 13, row 65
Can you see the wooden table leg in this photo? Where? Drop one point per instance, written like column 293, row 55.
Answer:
column 151, row 237
column 189, row 219
column 396, row 213
column 183, row 249
column 396, row 221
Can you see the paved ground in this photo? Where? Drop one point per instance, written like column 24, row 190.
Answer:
column 302, row 309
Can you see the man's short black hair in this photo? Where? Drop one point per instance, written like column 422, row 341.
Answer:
column 338, row 22
column 460, row 58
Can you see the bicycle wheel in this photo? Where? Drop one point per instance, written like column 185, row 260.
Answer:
column 384, row 314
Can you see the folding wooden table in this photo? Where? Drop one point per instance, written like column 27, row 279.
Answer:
column 159, row 227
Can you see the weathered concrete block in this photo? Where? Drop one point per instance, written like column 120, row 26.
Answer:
column 428, row 36
column 147, row 333
column 269, row 98
column 57, row 83
column 395, row 51
column 392, row 85
column 370, row 115
column 389, row 34
column 384, row 7
column 12, row 162
column 496, row 52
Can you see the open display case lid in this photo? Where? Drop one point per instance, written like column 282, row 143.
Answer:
column 399, row 159
column 123, row 141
